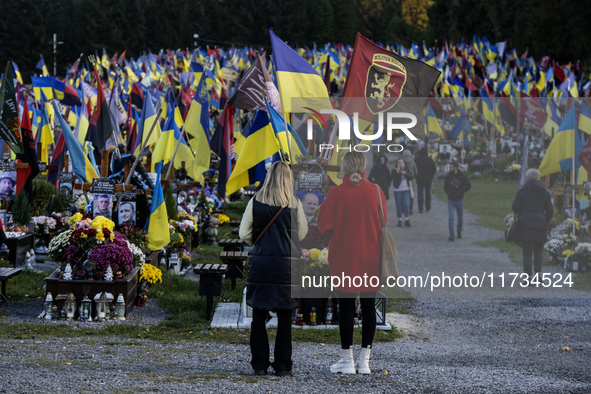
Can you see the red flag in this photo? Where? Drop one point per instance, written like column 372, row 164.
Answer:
column 558, row 72
column 382, row 77
column 531, row 110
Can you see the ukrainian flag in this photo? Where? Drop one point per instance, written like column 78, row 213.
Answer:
column 584, row 118
column 17, row 73
column 433, row 124
column 553, row 120
column 260, row 144
column 565, row 145
column 147, row 119
column 82, row 124
column 297, row 79
column 197, row 125
column 487, row 107
column 80, row 163
column 157, row 226
column 295, row 147
column 45, row 135
column 167, row 143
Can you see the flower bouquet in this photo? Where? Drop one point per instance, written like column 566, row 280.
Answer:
column 315, row 262
column 91, row 246
column 509, row 219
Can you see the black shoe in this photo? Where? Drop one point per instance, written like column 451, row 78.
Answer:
column 451, row 238
column 420, row 211
column 407, row 223
column 428, row 209
column 260, row 372
column 283, row 373
column 459, row 235
column 399, row 223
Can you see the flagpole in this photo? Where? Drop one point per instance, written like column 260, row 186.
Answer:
column 137, row 159
column 174, row 154
column 287, row 134
column 573, row 178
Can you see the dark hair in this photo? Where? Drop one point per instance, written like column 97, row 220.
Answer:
column 9, row 178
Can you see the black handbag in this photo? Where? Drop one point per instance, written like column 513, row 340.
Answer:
column 513, row 234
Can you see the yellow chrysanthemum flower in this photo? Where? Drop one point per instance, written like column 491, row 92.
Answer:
column 101, row 222
column 75, row 218
column 314, row 254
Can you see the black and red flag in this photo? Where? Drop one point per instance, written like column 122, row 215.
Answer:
column 24, row 176
column 100, row 127
column 221, row 145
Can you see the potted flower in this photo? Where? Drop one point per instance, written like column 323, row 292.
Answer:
column 583, row 256
column 554, row 249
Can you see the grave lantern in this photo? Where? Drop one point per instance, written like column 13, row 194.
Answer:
column 120, row 307
column 70, row 306
column 102, row 307
column 48, row 306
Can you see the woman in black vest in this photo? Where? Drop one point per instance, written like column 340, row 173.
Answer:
column 276, row 250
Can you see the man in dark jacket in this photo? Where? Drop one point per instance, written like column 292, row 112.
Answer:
column 533, row 204
column 426, row 170
column 456, row 184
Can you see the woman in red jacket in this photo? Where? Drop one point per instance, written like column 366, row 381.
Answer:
column 350, row 214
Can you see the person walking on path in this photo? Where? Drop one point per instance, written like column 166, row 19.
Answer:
column 380, row 174
column 456, row 184
column 401, row 180
column 412, row 167
column 275, row 219
column 533, row 205
column 350, row 214
column 426, row 170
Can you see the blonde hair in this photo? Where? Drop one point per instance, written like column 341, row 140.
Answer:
column 277, row 190
column 353, row 164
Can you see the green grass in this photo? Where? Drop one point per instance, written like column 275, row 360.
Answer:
column 26, row 285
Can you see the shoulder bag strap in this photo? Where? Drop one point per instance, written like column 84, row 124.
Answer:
column 381, row 208
column 268, row 225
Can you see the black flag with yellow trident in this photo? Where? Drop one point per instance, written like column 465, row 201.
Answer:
column 9, row 122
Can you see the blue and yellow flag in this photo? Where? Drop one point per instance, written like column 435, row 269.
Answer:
column 41, row 66
column 565, row 146
column 197, row 125
column 260, row 144
column 157, row 225
column 167, row 143
column 584, row 118
column 147, row 119
column 294, row 148
column 433, row 123
column 297, row 78
column 487, row 107
column 80, row 163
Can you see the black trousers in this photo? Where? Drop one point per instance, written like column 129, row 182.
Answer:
column 424, row 194
column 259, row 341
column 346, row 311
column 528, row 248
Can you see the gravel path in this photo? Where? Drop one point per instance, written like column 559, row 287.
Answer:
column 499, row 340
